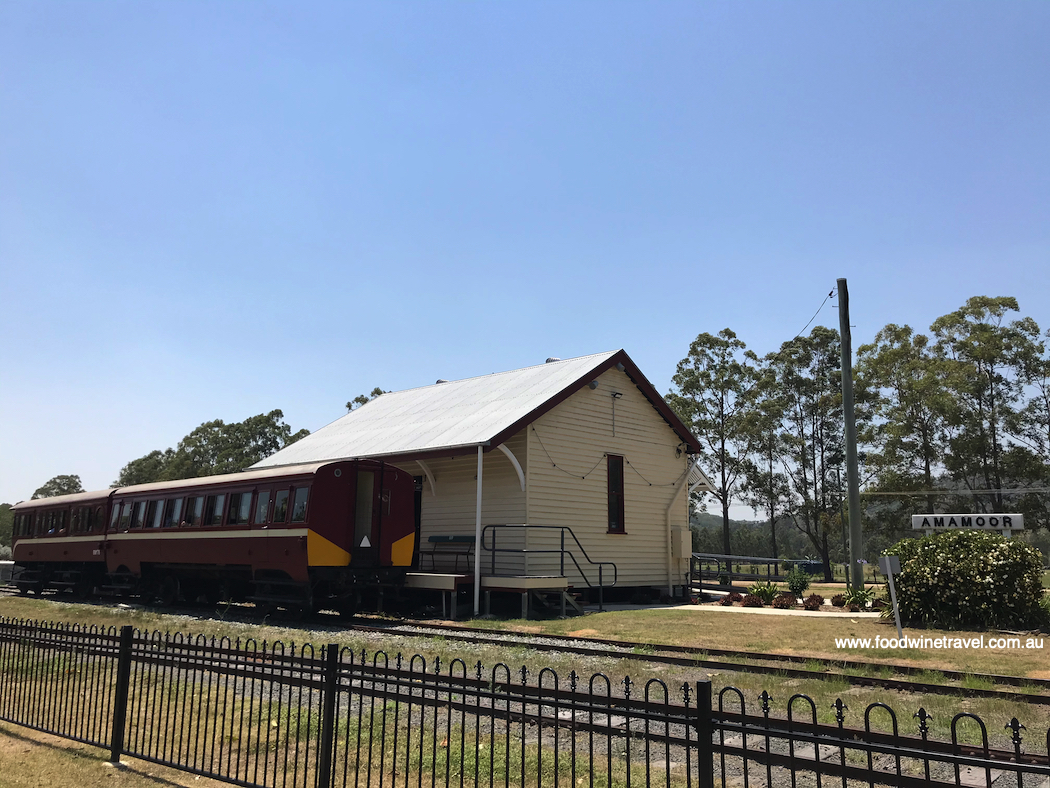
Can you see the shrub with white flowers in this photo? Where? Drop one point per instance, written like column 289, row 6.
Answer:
column 958, row 579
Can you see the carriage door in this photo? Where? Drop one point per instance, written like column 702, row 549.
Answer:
column 365, row 551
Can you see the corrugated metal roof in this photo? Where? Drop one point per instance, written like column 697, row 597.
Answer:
column 451, row 415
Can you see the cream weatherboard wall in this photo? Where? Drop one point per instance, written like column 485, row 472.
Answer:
column 562, row 455
column 452, row 510
column 567, row 481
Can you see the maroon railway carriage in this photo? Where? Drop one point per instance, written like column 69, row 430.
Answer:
column 299, row 537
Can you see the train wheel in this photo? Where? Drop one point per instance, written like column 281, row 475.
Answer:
column 169, row 591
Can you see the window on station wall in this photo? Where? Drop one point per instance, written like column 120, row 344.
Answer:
column 213, row 509
column 280, row 506
column 299, row 504
column 240, row 508
column 614, row 464
column 172, row 512
column 194, row 511
column 262, row 507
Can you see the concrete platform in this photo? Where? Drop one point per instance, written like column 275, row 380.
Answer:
column 521, row 583
column 435, row 581
column 524, row 585
column 446, row 584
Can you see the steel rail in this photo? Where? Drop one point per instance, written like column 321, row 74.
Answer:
column 695, row 660
column 954, row 675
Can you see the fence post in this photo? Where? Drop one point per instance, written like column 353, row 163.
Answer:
column 120, row 702
column 705, row 729
column 325, row 753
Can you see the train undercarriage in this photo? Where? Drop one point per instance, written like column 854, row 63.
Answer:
column 342, row 589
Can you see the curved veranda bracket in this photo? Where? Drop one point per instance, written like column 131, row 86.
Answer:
column 515, row 463
column 430, row 476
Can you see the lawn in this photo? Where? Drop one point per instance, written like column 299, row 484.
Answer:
column 31, row 760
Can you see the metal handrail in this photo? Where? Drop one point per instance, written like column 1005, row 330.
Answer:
column 561, row 550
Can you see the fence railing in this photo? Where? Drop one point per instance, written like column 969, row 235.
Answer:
column 718, row 571
column 606, row 571
column 257, row 714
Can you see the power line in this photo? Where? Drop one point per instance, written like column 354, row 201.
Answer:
column 800, row 333
column 1004, row 490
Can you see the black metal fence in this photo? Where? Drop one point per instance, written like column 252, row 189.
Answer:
column 259, row 714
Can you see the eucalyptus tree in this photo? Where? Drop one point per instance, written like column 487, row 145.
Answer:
column 766, row 487
column 213, row 447
column 910, row 404
column 713, row 392
column 1030, row 424
column 807, row 373
column 364, row 399
column 66, row 484
column 985, row 358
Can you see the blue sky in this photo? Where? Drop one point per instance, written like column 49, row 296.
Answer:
column 210, row 210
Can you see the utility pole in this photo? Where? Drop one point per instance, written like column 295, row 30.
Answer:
column 856, row 538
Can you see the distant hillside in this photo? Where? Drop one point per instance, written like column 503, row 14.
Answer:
column 708, row 520
column 748, row 537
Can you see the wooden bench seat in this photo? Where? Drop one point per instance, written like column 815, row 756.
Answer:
column 455, row 546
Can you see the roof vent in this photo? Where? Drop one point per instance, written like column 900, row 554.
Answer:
column 440, row 380
column 552, row 358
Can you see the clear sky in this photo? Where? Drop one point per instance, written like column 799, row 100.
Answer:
column 211, row 210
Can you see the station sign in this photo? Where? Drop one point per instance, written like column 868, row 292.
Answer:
column 969, row 522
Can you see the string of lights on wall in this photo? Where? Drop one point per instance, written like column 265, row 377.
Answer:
column 595, row 466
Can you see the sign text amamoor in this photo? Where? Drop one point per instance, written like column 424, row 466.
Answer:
column 977, row 522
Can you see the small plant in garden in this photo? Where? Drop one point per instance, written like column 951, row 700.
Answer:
column 813, row 602
column 839, row 600
column 784, row 601
column 767, row 591
column 751, row 600
column 859, row 597
column 726, row 601
column 797, row 580
column 736, row 596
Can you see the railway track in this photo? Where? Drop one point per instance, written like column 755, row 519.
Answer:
column 784, row 665
column 726, row 660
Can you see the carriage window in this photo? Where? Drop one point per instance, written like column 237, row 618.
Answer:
column 125, row 515
column 262, row 506
column 139, row 516
column 77, row 516
column 98, row 522
column 299, row 504
column 174, row 512
column 280, row 506
column 240, row 508
column 213, row 510
column 194, row 511
column 155, row 514
column 114, row 517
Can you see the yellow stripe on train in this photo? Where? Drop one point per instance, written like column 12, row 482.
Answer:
column 401, row 551
column 324, row 552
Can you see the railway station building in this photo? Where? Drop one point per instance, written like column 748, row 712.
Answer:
column 570, row 474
